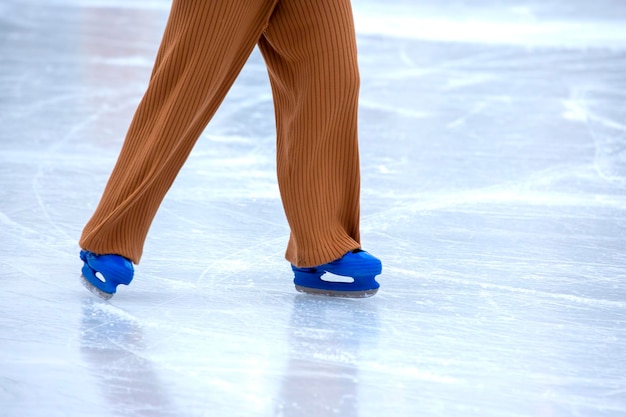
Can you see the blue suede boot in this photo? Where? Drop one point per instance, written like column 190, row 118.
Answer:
column 103, row 273
column 359, row 267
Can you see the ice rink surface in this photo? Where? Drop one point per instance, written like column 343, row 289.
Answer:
column 493, row 148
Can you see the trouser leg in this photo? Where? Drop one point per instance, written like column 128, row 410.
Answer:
column 204, row 47
column 310, row 50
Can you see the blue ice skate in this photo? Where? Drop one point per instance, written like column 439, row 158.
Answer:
column 358, row 266
column 103, row 273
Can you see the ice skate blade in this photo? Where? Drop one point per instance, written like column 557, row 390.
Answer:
column 95, row 290
column 333, row 293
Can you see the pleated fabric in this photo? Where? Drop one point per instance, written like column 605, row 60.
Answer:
column 310, row 51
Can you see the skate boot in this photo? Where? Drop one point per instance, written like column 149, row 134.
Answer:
column 103, row 273
column 358, row 267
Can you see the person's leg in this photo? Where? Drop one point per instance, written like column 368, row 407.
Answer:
column 310, row 51
column 204, row 47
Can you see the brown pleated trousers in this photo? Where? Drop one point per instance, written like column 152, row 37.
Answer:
column 309, row 48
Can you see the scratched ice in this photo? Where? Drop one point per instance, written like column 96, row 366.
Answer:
column 493, row 143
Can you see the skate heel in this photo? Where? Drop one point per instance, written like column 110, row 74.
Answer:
column 306, row 278
column 354, row 273
column 101, row 274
